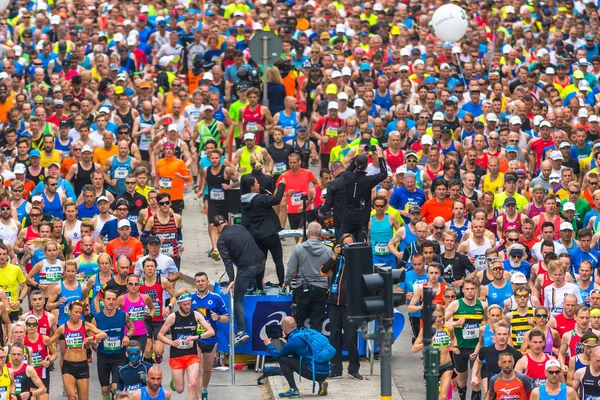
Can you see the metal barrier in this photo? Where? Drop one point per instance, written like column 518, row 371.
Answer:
column 231, row 339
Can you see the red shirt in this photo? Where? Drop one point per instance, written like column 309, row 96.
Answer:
column 298, row 185
column 538, row 145
column 327, row 126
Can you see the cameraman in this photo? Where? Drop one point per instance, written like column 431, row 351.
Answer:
column 309, row 286
column 338, row 313
column 358, row 186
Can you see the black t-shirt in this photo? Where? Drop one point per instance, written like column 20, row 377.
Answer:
column 456, row 268
column 479, row 173
column 490, row 355
column 573, row 164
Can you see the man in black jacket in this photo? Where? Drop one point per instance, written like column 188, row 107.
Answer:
column 259, row 217
column 335, row 197
column 358, row 186
column 235, row 245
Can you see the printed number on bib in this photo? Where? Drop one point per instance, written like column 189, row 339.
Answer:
column 121, row 173
column 470, row 331
column 381, row 249
column 297, row 199
column 279, row 168
column 217, row 194
column 112, row 343
column 183, row 345
column 165, row 183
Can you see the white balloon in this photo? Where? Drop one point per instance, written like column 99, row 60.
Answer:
column 4, row 4
column 450, row 23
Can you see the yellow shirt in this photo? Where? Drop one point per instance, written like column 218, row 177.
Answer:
column 519, row 198
column 45, row 161
column 11, row 277
column 493, row 186
column 143, row 190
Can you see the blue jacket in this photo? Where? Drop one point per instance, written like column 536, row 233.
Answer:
column 297, row 347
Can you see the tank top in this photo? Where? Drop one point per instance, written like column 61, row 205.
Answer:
column 156, row 294
column 219, row 115
column 394, row 161
column 22, row 211
column 35, row 178
column 585, row 293
column 145, row 396
column 460, row 230
column 280, row 158
column 488, row 335
column 126, row 118
column 550, row 343
column 71, row 296
column 9, row 233
column 39, row 352
column 498, row 295
column 467, row 334
column 409, row 237
column 432, row 174
column 556, row 222
column 96, row 288
column 289, row 125
column 419, row 180
column 589, row 388
column 575, row 346
column 562, row 395
column 381, row 233
column 311, row 94
column 516, row 224
column 45, row 160
column 75, row 233
column 23, row 383
column 578, row 363
column 491, row 224
column 385, row 102
column 245, row 159
column 536, row 370
column 520, row 326
column 44, row 327
column 168, row 233
column 478, row 251
column 546, row 281
column 89, row 268
column 533, row 210
column 304, row 151
column 214, row 182
column 4, row 383
column 145, row 140
column 119, row 171
column 75, row 338
column 136, row 311
column 82, row 177
column 115, row 329
column 53, row 207
column 182, row 328
column 50, row 274
column 253, row 118
column 206, row 132
column 564, row 325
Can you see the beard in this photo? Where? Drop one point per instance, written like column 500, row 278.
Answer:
column 514, row 264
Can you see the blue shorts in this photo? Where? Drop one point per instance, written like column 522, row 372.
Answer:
column 389, row 259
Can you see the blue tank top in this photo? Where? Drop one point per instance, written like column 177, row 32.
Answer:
column 71, row 296
column 464, row 134
column 409, row 238
column 146, row 396
column 373, row 111
column 419, row 180
column 19, row 129
column 53, row 207
column 585, row 293
column 289, row 125
column 497, row 296
column 119, row 171
column 94, row 292
column 381, row 234
column 562, row 395
column 219, row 115
column 488, row 336
column 115, row 329
column 449, row 149
column 60, row 147
column 460, row 231
column 85, row 214
column 22, row 212
column 385, row 102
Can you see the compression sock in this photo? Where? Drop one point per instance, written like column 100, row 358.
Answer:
column 476, row 395
column 462, row 393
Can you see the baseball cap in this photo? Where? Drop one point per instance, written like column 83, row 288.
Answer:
column 19, row 169
column 346, row 71
column 554, row 177
column 426, row 139
column 333, row 105
column 564, row 144
column 511, row 148
column 414, row 209
column 5, row 203
column 401, row 170
column 515, row 120
column 546, row 124
column 34, row 153
column 331, row 89
column 438, row 116
column 301, row 128
column 556, row 155
column 510, row 201
column 593, row 118
column 168, row 144
column 249, row 136
column 54, row 164
column 37, row 198
column 102, row 198
column 491, row 117
column 518, row 278
column 124, row 223
column 365, row 67
column 568, row 206
column 578, row 74
column 358, row 103
column 167, row 121
column 154, row 240
column 342, row 96
column 510, row 177
column 172, row 127
column 553, row 362
column 104, row 110
column 336, row 74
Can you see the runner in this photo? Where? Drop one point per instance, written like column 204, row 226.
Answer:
column 43, row 353
column 553, row 388
column 134, row 304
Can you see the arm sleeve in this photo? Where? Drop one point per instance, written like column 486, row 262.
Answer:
column 328, row 267
column 329, row 198
column 292, row 268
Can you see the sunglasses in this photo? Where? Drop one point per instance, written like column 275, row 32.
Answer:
column 496, row 269
column 31, row 324
column 130, row 183
column 521, row 296
column 450, row 296
column 554, row 372
column 512, row 240
column 166, row 203
column 35, row 215
column 439, row 227
column 541, row 315
column 133, row 283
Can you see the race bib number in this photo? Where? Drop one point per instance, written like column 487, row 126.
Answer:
column 290, row 131
column 136, row 313
column 480, row 262
column 167, row 250
column 112, row 343
column 252, row 126
column 165, row 183
column 217, row 194
column 520, row 337
column 156, row 308
column 470, row 331
column 381, row 249
column 279, row 168
column 331, row 131
column 36, row 359
column 74, row 340
column 4, row 393
column 383, row 112
column 183, row 345
column 53, row 274
column 297, row 199
column 121, row 173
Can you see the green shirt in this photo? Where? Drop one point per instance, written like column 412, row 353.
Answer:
column 234, row 113
column 467, row 334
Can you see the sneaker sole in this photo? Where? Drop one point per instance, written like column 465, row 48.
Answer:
column 356, row 379
column 243, row 339
column 324, row 386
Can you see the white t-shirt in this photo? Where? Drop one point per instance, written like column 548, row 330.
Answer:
column 554, row 297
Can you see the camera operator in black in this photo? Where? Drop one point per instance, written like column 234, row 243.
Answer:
column 335, row 268
column 358, row 186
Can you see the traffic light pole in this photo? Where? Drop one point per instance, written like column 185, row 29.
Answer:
column 431, row 361
column 385, row 339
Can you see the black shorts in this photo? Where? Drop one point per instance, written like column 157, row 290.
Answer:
column 145, row 155
column 296, row 220
column 46, row 381
column 462, row 360
column 177, row 206
column 78, row 370
column 206, row 348
column 445, row 368
column 108, row 367
column 153, row 328
column 216, row 209
column 14, row 315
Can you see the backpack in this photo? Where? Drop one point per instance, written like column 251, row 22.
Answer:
column 322, row 350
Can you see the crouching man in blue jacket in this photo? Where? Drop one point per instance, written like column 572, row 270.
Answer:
column 296, row 356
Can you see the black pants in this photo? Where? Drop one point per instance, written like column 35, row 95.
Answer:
column 359, row 231
column 338, row 321
column 273, row 244
column 243, row 280
column 415, row 325
column 310, row 304
column 289, row 365
column 325, row 160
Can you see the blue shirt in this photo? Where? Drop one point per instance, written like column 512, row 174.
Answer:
column 129, row 377
column 62, row 184
column 579, row 255
column 411, row 279
column 212, row 302
column 402, row 199
column 525, row 268
column 109, row 230
column 473, row 109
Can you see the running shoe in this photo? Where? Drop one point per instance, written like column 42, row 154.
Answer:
column 356, row 376
column 240, row 337
column 261, row 293
column 290, row 393
column 335, row 376
column 204, row 394
column 323, row 388
column 215, row 255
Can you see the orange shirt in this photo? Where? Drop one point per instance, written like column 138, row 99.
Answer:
column 298, row 185
column 101, row 154
column 28, row 187
column 131, row 249
column 433, row 208
column 5, row 108
column 167, row 181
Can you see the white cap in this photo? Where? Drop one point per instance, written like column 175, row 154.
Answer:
column 105, row 110
column 342, row 96
column 165, row 60
column 207, row 107
column 510, row 9
column 426, row 139
column 556, row 155
column 19, row 169
column 340, row 28
column 541, row 53
column 564, row 144
column 359, row 103
column 518, row 278
column 553, row 362
column 583, row 85
column 240, row 22
column 456, row 50
column 404, row 52
column 515, row 120
column 208, row 76
column 583, row 113
column 593, row 118
column 336, row 74
column 87, row 149
column 55, row 20
column 401, row 169
column 346, row 71
column 131, row 41
column 550, row 71
column 568, row 206
column 350, row 33
column 491, row 117
column 554, row 177
column 123, row 223
column 18, row 50
column 249, row 136
column 537, row 120
column 404, row 68
column 416, row 109
column 144, row 9
column 333, row 105
column 118, row 37
column 506, row 49
column 546, row 124
column 444, row 66
column 377, row 7
column 37, row 198
column 438, row 116
column 257, row 26
column 418, row 62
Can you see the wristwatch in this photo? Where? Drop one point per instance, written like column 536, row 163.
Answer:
column 128, row 335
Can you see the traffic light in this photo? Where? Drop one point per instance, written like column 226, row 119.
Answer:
column 359, row 261
column 382, row 300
